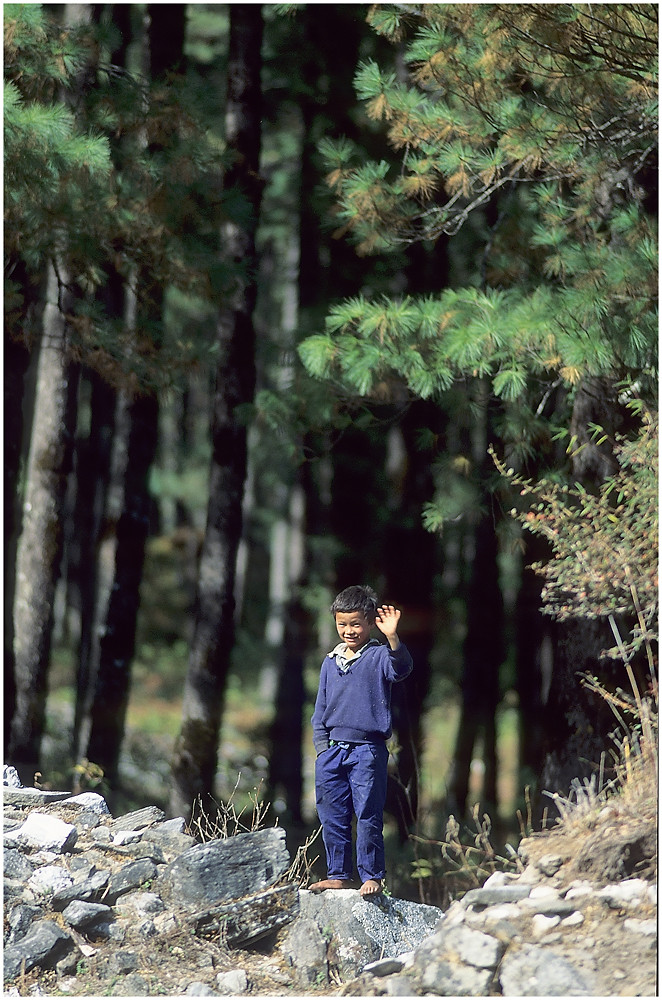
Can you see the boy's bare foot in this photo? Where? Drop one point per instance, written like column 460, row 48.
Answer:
column 371, row 887
column 329, row 883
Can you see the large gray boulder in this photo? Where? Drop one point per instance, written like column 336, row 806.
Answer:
column 225, row 869
column 340, row 930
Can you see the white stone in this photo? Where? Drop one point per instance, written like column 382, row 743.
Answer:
column 543, row 892
column 126, row 837
column 624, row 893
column 233, row 982
column 497, row 879
column 10, row 777
column 473, row 947
column 176, row 825
column 645, row 927
column 505, row 911
column 578, row 889
column 44, row 832
column 573, row 919
column 48, row 880
column 92, row 801
column 542, row 924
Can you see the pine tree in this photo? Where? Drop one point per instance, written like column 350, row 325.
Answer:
column 549, row 113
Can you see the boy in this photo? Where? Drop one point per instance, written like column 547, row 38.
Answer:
column 351, row 723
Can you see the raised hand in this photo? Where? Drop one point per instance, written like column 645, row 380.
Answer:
column 387, row 622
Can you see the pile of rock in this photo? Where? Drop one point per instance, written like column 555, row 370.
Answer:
column 521, row 936
column 138, row 907
column 89, row 894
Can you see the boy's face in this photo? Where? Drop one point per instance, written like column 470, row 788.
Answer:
column 353, row 628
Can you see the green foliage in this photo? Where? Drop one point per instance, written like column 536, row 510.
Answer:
column 549, row 113
column 109, row 173
column 604, row 546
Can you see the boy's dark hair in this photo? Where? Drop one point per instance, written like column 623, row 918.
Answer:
column 358, row 598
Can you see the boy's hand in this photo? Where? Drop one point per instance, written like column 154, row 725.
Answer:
column 387, row 622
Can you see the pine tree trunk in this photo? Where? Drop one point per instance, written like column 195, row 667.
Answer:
column 117, row 642
column 39, row 546
column 484, row 648
column 16, row 364
column 195, row 753
column 411, row 560
column 93, row 467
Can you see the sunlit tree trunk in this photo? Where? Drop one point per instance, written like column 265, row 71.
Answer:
column 195, row 754
column 39, row 545
column 16, row 364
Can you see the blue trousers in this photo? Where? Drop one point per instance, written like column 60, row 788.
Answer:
column 352, row 781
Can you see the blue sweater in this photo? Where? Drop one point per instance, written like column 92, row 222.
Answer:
column 355, row 704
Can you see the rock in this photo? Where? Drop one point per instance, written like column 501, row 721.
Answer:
column 81, row 915
column 200, row 990
column 232, row 983
column 646, row 927
column 174, row 842
column 542, row 924
column 624, row 893
column 384, row 967
column 141, row 903
column 10, row 777
column 226, row 869
column 549, row 864
column 138, row 819
column 126, row 837
column 538, row 972
column 89, row 802
column 48, row 880
column 247, row 920
column 123, row 962
column 538, row 932
column 30, row 798
column 43, row 832
column 43, row 945
column 176, row 825
column 356, row 930
column 16, row 865
column 19, row 920
column 134, row 985
column 447, row 979
column 497, row 894
column 131, row 876
column 89, row 890
column 471, row 947
column 399, row 986
column 305, row 948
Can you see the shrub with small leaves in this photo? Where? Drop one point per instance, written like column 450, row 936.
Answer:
column 605, row 545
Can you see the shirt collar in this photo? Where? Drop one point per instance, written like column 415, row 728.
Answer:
column 340, row 653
